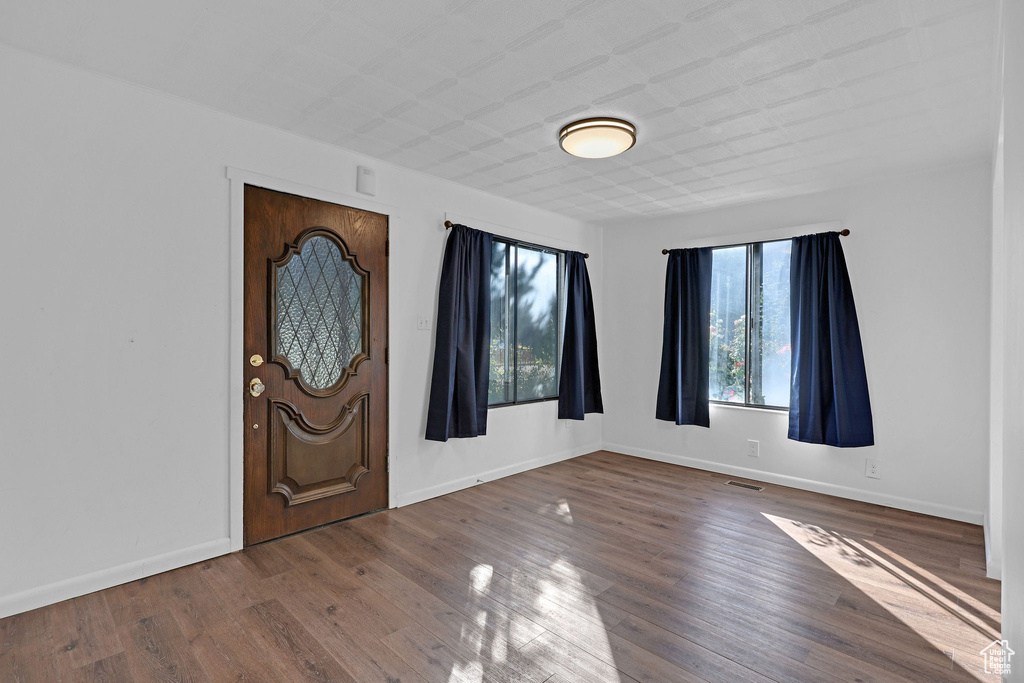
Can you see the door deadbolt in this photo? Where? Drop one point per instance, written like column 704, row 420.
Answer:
column 256, row 387
column 256, row 360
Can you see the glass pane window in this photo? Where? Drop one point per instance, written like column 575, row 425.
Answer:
column 536, row 324
column 770, row 357
column 526, row 322
column 499, row 382
column 750, row 335
column 729, row 324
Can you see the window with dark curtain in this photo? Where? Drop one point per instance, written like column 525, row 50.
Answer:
column 579, row 386
column 458, row 388
column 829, row 403
column 750, row 335
column 685, row 350
column 526, row 296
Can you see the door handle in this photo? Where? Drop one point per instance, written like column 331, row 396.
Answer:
column 256, row 387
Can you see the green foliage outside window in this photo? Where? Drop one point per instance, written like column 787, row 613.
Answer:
column 525, row 323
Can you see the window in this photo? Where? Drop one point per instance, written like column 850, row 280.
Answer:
column 526, row 322
column 750, row 341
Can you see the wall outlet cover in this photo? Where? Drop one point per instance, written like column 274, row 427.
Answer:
column 753, row 448
column 423, row 322
column 871, row 469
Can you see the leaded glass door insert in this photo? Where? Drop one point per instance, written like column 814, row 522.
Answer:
column 319, row 321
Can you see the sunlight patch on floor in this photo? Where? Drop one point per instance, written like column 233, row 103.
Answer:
column 979, row 615
column 936, row 610
column 533, row 599
column 472, row 672
column 552, row 597
column 481, row 576
column 560, row 510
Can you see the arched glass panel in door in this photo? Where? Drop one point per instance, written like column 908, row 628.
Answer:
column 320, row 316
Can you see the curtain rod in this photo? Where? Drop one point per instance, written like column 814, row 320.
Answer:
column 448, row 225
column 845, row 232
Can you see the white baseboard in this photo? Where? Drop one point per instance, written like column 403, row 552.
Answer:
column 913, row 505
column 105, row 578
column 993, row 560
column 403, row 499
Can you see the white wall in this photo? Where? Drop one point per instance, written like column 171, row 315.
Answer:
column 1011, row 261
column 114, row 423
column 919, row 261
column 997, row 361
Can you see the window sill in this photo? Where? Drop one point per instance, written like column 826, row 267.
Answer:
column 522, row 403
column 759, row 409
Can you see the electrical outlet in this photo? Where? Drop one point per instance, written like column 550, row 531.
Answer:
column 753, row 448
column 423, row 322
column 871, row 469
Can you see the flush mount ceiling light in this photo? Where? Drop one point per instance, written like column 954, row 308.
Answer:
column 597, row 138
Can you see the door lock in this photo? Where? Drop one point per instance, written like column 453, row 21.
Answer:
column 256, row 360
column 256, row 387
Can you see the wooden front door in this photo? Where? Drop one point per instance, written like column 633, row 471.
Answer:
column 316, row 334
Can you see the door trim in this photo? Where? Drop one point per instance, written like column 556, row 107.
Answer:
column 238, row 179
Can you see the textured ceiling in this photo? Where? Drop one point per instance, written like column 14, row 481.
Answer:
column 734, row 100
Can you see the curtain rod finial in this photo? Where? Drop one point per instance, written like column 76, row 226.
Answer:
column 664, row 251
column 447, row 224
column 845, row 232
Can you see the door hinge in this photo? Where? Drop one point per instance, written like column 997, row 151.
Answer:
column 387, row 463
column 387, row 247
column 387, row 355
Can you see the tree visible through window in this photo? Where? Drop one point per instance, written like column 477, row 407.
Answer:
column 526, row 322
column 750, row 336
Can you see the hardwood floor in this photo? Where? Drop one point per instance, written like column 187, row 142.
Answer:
column 600, row 568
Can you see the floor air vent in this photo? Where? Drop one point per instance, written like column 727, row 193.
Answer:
column 741, row 485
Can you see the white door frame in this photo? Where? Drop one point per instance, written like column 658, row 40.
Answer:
column 236, row 352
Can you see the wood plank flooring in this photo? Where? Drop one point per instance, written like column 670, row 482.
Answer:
column 600, row 568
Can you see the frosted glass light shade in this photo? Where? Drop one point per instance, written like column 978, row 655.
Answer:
column 597, row 138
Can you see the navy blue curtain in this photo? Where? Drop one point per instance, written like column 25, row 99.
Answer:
column 828, row 401
column 458, row 390
column 579, row 384
column 686, row 344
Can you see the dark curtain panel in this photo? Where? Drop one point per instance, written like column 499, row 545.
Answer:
column 686, row 345
column 579, row 384
column 458, row 390
column 829, row 393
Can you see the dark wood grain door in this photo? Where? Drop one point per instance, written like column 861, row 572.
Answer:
column 316, row 330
